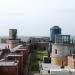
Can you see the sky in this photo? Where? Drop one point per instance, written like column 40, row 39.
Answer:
column 36, row 17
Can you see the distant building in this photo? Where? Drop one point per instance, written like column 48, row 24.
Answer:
column 13, row 34
column 42, row 45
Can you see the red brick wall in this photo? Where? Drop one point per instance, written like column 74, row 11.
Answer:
column 42, row 45
column 20, row 58
column 25, row 55
column 9, row 70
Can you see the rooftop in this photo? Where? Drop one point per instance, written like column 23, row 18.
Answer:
column 8, row 63
column 16, row 48
column 5, row 45
column 14, row 54
column 55, row 69
column 21, row 49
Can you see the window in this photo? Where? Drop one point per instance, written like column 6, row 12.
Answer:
column 55, row 51
column 48, row 71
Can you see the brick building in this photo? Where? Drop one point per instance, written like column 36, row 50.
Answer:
column 19, row 53
column 71, row 61
column 42, row 45
column 9, row 68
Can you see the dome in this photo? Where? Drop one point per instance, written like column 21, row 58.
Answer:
column 55, row 27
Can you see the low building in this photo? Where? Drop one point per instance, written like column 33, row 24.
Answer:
column 25, row 52
column 9, row 67
column 19, row 57
column 61, row 49
column 19, row 53
column 49, row 69
column 60, row 52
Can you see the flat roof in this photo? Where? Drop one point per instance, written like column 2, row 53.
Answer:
column 65, row 44
column 21, row 49
column 49, row 66
column 14, row 54
column 14, row 49
column 55, row 69
column 8, row 63
column 5, row 45
column 46, row 66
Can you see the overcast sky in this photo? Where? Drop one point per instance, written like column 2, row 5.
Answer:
column 35, row 17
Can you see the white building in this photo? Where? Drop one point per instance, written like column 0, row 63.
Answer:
column 49, row 69
column 60, row 52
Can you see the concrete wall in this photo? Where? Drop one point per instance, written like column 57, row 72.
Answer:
column 71, row 62
column 59, row 60
column 60, row 52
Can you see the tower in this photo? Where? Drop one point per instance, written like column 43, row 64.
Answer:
column 12, row 34
column 53, row 31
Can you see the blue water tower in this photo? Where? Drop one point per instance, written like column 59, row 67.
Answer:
column 53, row 31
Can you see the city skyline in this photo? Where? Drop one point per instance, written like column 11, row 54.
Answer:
column 36, row 17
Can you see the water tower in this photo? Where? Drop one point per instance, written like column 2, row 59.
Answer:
column 53, row 31
column 13, row 34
